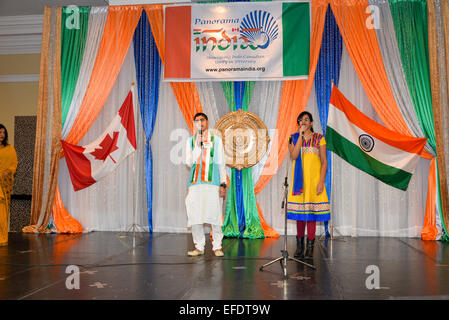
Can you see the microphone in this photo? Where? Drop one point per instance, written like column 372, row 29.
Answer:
column 302, row 133
column 201, row 137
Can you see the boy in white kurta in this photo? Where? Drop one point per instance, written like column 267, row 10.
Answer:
column 207, row 183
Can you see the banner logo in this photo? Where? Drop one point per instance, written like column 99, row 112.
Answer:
column 259, row 28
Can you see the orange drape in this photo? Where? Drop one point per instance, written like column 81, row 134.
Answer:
column 268, row 231
column 155, row 14
column 294, row 98
column 188, row 99
column 64, row 222
column 363, row 48
column 429, row 231
column 186, row 93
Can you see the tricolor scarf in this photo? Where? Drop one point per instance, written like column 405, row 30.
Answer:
column 205, row 161
column 298, row 187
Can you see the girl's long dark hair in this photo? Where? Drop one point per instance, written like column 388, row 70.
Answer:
column 302, row 114
column 5, row 141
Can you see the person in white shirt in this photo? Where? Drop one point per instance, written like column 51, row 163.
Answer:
column 206, row 185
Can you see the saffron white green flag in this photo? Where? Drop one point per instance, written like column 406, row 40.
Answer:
column 384, row 154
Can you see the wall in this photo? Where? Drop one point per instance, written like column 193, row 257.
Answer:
column 19, row 85
column 18, row 88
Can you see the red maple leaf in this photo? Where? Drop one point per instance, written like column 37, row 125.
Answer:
column 108, row 145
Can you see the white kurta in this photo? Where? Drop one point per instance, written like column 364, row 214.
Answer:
column 204, row 205
column 203, row 202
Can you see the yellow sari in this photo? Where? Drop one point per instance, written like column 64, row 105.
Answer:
column 8, row 166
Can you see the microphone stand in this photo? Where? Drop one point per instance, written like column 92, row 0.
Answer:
column 285, row 256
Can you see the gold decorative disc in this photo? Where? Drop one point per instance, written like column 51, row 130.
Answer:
column 245, row 138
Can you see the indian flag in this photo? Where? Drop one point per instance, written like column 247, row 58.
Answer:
column 237, row 41
column 384, row 154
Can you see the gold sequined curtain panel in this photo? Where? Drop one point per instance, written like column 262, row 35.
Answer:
column 438, row 39
column 445, row 106
column 48, row 126
column 445, row 10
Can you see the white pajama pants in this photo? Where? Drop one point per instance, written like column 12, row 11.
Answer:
column 199, row 238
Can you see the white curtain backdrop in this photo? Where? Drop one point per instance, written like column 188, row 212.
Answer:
column 361, row 205
column 209, row 101
column 110, row 204
column 170, row 173
column 264, row 104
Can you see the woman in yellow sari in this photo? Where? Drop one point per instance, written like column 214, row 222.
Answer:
column 8, row 166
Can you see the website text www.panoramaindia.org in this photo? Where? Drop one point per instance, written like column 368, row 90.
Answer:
column 231, row 69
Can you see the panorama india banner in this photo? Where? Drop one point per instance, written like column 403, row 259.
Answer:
column 237, row 41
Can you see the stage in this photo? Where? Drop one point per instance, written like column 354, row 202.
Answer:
column 115, row 265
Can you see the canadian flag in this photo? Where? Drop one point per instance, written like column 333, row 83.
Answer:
column 88, row 164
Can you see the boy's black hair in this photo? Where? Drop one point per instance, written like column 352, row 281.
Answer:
column 200, row 114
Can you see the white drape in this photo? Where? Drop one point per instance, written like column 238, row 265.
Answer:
column 170, row 174
column 208, row 102
column 110, row 204
column 265, row 104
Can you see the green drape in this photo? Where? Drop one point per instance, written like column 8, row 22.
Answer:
column 253, row 228
column 74, row 26
column 410, row 24
column 231, row 222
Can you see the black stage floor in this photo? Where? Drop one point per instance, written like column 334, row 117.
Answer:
column 116, row 265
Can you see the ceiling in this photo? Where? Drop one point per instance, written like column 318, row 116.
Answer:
column 36, row 7
column 21, row 21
